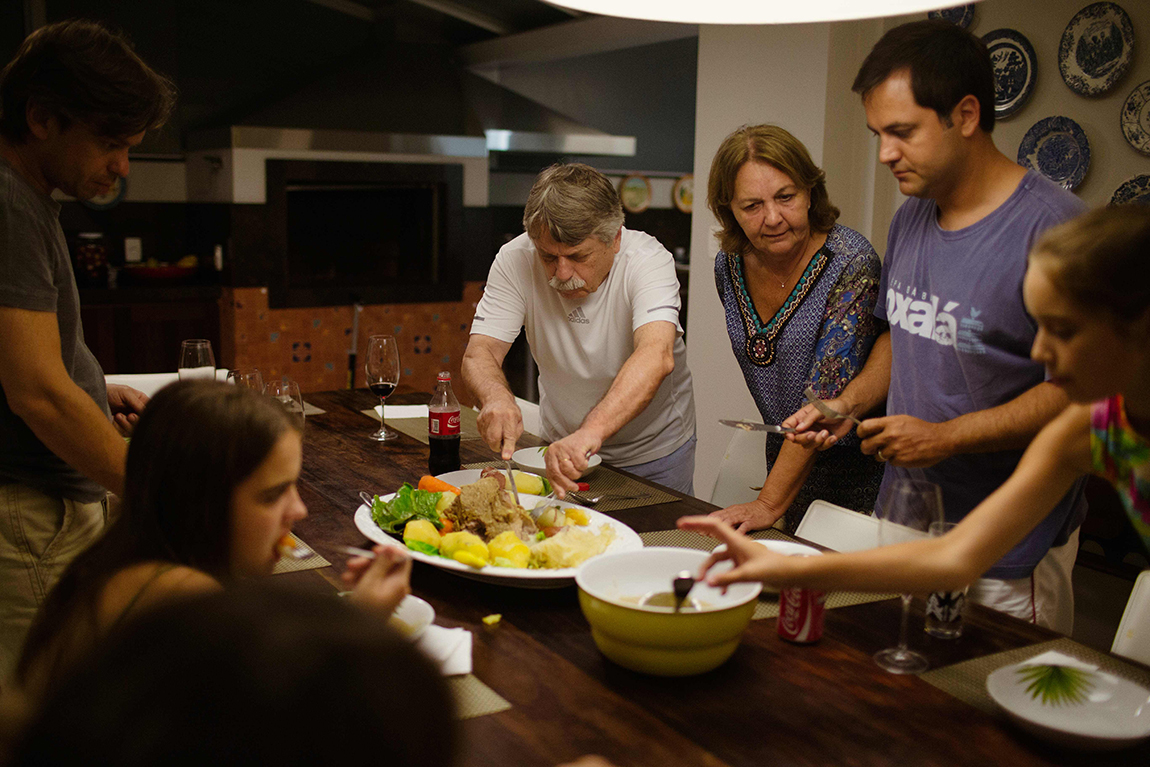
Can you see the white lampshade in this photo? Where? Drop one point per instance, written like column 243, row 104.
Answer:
column 752, row 11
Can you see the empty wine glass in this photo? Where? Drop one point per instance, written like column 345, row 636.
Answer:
column 196, row 359
column 286, row 392
column 382, row 367
column 906, row 510
column 249, row 377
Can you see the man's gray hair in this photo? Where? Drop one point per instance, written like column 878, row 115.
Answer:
column 572, row 202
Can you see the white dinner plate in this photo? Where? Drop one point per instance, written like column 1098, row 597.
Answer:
column 626, row 539
column 1114, row 714
column 532, row 459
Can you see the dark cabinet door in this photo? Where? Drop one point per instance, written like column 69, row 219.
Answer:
column 145, row 337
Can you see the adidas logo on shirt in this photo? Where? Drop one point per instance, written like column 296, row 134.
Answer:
column 577, row 315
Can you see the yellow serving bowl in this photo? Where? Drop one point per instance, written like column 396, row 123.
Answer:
column 656, row 640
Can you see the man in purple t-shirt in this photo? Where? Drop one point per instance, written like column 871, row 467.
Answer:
column 963, row 396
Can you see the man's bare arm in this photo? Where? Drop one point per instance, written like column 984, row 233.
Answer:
column 58, row 412
column 637, row 381
column 632, row 390
column 500, row 421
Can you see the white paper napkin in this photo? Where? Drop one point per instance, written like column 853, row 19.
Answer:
column 404, row 411
column 1055, row 658
column 450, row 648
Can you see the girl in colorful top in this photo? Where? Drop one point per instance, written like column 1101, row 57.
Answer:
column 1088, row 290
column 799, row 292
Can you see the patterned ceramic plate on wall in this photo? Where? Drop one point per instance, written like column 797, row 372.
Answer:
column 1015, row 67
column 1096, row 48
column 1136, row 118
column 962, row 15
column 1133, row 190
column 1057, row 148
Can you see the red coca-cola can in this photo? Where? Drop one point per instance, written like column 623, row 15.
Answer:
column 801, row 615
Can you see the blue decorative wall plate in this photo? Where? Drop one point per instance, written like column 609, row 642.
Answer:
column 1136, row 190
column 962, row 15
column 111, row 198
column 1057, row 148
column 1135, row 118
column 1096, row 49
column 1015, row 68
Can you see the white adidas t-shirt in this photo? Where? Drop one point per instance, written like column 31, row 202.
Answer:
column 580, row 345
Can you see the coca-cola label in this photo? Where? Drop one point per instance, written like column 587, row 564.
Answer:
column 443, row 424
column 801, row 615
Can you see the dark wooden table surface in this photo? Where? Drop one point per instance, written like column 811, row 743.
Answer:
column 771, row 703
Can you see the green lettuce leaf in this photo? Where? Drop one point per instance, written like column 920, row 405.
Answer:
column 407, row 504
column 422, row 547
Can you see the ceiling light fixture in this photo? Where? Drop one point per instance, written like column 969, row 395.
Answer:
column 752, row 11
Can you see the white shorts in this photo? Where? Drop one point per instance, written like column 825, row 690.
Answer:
column 1045, row 598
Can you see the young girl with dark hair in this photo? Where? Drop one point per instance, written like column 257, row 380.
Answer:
column 210, row 491
column 1088, row 290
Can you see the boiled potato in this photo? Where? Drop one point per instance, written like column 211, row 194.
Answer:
column 507, row 550
column 532, row 484
column 446, row 498
column 423, row 531
column 465, row 547
column 577, row 517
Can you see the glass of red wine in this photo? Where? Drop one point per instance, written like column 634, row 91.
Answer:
column 382, row 369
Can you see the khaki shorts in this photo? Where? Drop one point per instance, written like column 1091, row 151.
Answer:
column 39, row 536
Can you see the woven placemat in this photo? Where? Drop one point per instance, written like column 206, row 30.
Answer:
column 292, row 565
column 473, row 698
column 768, row 606
column 967, row 680
column 416, row 428
column 605, row 480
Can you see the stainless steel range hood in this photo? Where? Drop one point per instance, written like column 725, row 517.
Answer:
column 514, row 123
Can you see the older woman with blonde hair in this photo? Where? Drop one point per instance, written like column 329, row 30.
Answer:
column 798, row 291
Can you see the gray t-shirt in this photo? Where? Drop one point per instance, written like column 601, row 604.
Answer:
column 36, row 274
column 960, row 341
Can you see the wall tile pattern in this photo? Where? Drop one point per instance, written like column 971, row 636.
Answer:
column 310, row 345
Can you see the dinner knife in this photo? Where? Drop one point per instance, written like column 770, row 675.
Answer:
column 752, row 426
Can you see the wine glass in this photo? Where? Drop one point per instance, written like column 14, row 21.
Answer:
column 906, row 510
column 249, row 377
column 196, row 360
column 382, row 369
column 286, row 392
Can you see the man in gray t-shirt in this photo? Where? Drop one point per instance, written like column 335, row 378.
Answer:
column 72, row 102
column 964, row 397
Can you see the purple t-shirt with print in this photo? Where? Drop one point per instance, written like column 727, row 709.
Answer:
column 961, row 337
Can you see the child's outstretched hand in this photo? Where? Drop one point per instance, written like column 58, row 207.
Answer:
column 752, row 561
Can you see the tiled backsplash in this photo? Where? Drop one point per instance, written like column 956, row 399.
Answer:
column 310, row 345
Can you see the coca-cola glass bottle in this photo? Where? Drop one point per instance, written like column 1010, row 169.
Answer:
column 443, row 428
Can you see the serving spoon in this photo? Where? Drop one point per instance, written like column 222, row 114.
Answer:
column 682, row 586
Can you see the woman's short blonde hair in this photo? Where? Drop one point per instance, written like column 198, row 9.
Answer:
column 776, row 147
column 572, row 202
column 1099, row 260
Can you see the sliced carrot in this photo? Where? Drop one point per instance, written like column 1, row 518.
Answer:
column 448, row 525
column 431, row 484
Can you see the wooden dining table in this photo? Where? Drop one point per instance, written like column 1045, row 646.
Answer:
column 772, row 703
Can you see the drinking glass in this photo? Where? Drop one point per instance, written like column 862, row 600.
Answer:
column 382, row 369
column 196, row 360
column 944, row 608
column 286, row 392
column 906, row 510
column 249, row 377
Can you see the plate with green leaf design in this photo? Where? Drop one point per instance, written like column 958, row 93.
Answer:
column 1073, row 705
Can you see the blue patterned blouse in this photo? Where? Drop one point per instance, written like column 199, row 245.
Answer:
column 821, row 336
